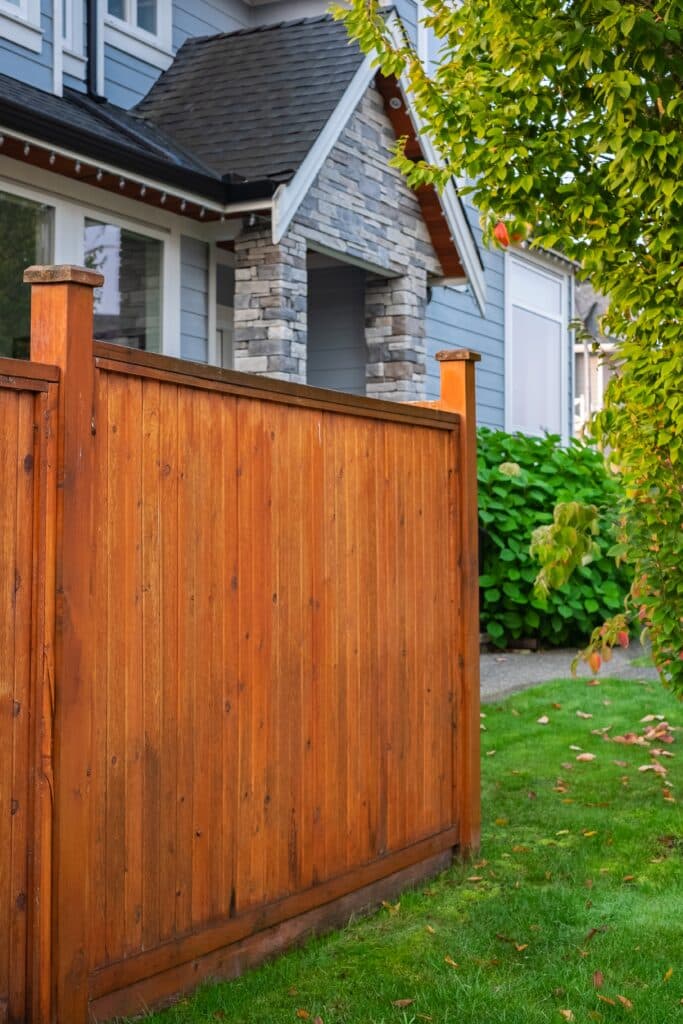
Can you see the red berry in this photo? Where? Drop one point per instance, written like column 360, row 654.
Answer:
column 622, row 637
column 500, row 232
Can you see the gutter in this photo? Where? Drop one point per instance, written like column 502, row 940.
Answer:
column 111, row 156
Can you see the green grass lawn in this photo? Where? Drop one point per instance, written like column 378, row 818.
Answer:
column 574, row 910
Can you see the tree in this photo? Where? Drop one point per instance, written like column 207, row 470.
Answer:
column 567, row 117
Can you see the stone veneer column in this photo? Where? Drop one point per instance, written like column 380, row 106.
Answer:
column 395, row 335
column 270, row 305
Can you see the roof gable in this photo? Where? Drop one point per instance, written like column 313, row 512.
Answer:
column 251, row 104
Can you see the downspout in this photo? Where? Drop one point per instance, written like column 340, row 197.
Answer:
column 93, row 65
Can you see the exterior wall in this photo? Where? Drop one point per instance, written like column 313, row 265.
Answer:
column 270, row 305
column 454, row 320
column 395, row 333
column 194, row 299
column 25, row 65
column 360, row 207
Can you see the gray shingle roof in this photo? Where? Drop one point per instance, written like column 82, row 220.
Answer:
column 250, row 104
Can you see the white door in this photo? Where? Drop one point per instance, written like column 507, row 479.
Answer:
column 536, row 348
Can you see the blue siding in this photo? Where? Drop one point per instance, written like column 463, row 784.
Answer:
column 206, row 17
column 24, row 65
column 454, row 320
column 194, row 299
column 126, row 79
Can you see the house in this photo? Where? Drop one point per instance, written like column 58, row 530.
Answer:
column 225, row 164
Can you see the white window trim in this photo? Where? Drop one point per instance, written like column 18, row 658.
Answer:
column 156, row 49
column 538, row 263
column 69, row 247
column 21, row 24
column 73, row 53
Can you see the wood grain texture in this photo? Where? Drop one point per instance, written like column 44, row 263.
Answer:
column 245, row 609
column 278, row 707
column 27, row 410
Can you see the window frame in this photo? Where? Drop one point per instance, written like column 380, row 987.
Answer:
column 545, row 267
column 20, row 24
column 154, row 48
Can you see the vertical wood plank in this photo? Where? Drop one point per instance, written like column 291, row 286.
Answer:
column 458, row 395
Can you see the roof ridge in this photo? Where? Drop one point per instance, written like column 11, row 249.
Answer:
column 254, row 29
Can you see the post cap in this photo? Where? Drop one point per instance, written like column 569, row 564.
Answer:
column 458, row 355
column 63, row 273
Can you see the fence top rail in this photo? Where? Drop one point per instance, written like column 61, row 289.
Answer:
column 21, row 371
column 118, row 358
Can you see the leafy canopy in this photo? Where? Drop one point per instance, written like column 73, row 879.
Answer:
column 566, row 117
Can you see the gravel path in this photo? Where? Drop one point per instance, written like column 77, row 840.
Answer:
column 508, row 672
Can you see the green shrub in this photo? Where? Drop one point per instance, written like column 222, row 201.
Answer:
column 521, row 479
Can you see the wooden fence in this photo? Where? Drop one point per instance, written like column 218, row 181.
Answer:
column 240, row 619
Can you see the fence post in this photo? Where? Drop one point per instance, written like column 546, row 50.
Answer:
column 61, row 335
column 458, row 395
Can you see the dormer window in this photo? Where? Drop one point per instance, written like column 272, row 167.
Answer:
column 20, row 22
column 141, row 14
column 141, row 28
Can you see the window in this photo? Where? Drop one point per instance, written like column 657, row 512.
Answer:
column 26, row 230
column 141, row 28
column 536, row 348
column 20, row 22
column 128, row 305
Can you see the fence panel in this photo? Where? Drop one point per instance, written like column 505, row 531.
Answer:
column 276, row 656
column 263, row 600
column 26, row 403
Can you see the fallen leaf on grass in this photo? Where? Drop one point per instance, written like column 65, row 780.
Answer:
column 475, row 878
column 401, row 1003
column 631, row 739
column 593, row 682
column 606, row 999
column 585, row 757
column 431, row 930
column 303, row 1014
column 392, row 908
column 423, row 1016
column 292, row 991
column 502, row 821
column 621, row 764
column 543, row 720
column 668, row 975
column 566, row 1014
column 450, row 961
column 521, row 946
column 625, row 1002
column 594, row 1015
column 656, row 767
column 629, row 878
column 490, row 753
column 590, row 832
column 652, row 718
column 318, row 1020
column 583, row 714
column 573, row 746
column 598, row 979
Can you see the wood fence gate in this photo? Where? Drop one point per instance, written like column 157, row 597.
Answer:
column 241, row 618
